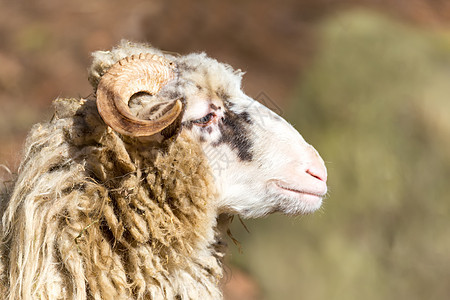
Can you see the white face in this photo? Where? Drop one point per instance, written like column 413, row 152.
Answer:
column 261, row 164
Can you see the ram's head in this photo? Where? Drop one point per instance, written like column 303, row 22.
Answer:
column 260, row 163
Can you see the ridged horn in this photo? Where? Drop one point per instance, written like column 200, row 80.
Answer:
column 134, row 74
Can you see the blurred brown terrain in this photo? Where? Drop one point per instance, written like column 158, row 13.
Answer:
column 46, row 44
column 365, row 82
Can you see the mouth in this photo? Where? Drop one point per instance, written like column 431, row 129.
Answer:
column 310, row 194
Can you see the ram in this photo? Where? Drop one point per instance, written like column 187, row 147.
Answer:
column 125, row 195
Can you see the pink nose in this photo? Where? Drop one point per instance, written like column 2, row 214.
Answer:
column 318, row 170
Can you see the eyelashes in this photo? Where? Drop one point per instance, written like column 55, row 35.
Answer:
column 206, row 120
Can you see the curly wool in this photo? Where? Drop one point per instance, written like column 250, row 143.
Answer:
column 94, row 215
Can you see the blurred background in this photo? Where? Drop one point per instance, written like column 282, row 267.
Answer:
column 366, row 82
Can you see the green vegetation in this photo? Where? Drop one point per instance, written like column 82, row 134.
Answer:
column 376, row 105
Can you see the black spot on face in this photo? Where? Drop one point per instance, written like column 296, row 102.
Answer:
column 235, row 133
column 246, row 117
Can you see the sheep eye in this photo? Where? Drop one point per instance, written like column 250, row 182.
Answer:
column 205, row 121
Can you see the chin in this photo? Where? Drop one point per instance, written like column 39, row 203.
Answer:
column 292, row 199
column 293, row 207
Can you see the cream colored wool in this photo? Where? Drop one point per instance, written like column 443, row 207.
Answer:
column 93, row 216
column 99, row 215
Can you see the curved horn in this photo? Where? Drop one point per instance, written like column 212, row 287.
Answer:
column 137, row 73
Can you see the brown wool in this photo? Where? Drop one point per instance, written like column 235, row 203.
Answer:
column 92, row 218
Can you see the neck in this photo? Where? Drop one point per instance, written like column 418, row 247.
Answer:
column 112, row 223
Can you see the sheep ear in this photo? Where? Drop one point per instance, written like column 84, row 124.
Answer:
column 134, row 75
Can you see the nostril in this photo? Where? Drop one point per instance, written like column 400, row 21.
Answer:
column 319, row 173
